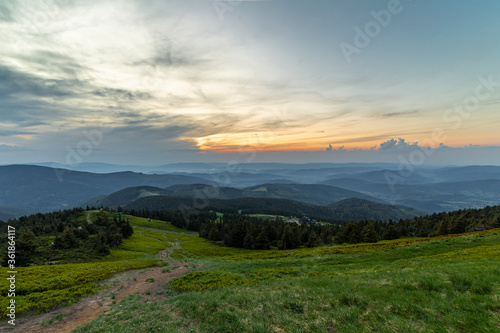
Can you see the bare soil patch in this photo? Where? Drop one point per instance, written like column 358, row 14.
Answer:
column 145, row 282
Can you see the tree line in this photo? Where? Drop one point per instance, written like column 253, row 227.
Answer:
column 238, row 230
column 254, row 233
column 69, row 230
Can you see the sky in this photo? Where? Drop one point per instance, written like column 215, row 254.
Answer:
column 154, row 82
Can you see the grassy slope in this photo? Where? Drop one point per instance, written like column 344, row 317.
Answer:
column 439, row 284
column 447, row 284
column 42, row 288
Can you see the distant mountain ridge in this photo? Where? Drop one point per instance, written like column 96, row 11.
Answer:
column 434, row 197
column 33, row 188
column 347, row 209
column 205, row 197
column 45, row 189
column 314, row 194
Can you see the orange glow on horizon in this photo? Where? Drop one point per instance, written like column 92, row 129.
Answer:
column 237, row 142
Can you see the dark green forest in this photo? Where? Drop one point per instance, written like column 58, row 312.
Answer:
column 240, row 230
column 57, row 236
column 63, row 236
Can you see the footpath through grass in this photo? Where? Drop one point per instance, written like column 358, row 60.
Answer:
column 46, row 287
column 445, row 284
column 40, row 288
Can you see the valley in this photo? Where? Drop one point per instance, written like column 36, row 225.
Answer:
column 29, row 189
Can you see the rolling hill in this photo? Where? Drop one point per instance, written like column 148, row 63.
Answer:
column 313, row 194
column 38, row 188
column 435, row 197
column 432, row 189
column 151, row 198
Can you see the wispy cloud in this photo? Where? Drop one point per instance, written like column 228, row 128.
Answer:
column 400, row 114
column 169, row 75
column 4, row 132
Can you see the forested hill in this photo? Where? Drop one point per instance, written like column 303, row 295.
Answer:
column 36, row 188
column 339, row 212
column 251, row 232
column 64, row 236
column 456, row 222
column 359, row 209
column 313, row 194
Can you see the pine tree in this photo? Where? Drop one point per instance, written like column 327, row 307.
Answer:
column 262, row 241
column 126, row 229
column 313, row 239
column 496, row 221
column 444, row 226
column 214, row 234
column 368, row 234
column 289, row 240
column 457, row 225
column 114, row 236
column 391, row 232
column 248, row 242
column 347, row 234
column 326, row 236
column 66, row 240
column 25, row 248
column 102, row 243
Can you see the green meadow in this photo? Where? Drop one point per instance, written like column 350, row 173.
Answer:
column 441, row 284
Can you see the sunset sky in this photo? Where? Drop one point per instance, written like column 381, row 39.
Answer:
column 151, row 82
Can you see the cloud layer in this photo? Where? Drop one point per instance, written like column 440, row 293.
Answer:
column 174, row 80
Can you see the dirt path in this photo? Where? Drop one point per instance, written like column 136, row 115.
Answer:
column 90, row 308
column 89, row 220
column 166, row 254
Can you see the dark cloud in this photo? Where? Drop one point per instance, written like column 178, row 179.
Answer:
column 22, row 86
column 153, row 133
column 400, row 114
column 14, row 83
column 31, row 100
column 168, row 54
column 55, row 62
column 5, row 14
column 170, row 59
column 120, row 94
column 29, row 113
column 14, row 133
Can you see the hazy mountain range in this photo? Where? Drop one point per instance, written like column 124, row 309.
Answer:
column 32, row 188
